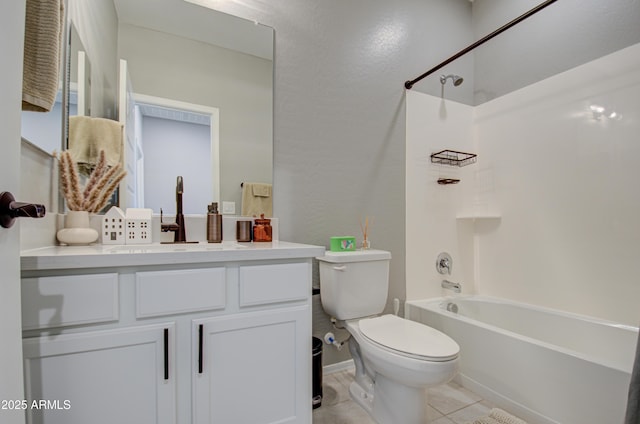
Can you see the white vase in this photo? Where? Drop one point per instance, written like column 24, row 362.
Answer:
column 76, row 231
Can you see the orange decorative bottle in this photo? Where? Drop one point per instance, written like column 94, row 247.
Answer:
column 262, row 229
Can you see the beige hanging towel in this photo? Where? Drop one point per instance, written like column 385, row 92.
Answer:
column 257, row 199
column 87, row 136
column 44, row 23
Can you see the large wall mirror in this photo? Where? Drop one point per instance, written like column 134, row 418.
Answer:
column 203, row 82
column 200, row 87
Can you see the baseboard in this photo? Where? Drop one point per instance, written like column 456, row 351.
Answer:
column 340, row 366
column 529, row 415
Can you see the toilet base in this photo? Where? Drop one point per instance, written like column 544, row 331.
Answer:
column 361, row 397
column 386, row 400
column 397, row 403
column 392, row 403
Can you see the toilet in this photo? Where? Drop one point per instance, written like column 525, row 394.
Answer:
column 396, row 359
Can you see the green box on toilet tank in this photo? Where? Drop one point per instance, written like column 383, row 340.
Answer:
column 343, row 244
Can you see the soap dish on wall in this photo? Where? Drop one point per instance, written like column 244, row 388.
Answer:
column 453, row 158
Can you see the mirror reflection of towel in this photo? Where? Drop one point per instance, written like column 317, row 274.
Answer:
column 41, row 61
column 261, row 190
column 87, row 136
column 257, row 199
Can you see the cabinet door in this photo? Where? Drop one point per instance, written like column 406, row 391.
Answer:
column 114, row 376
column 253, row 368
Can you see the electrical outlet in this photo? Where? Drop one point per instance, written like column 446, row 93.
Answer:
column 229, row 208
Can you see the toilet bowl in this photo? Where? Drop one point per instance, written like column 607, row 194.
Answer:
column 396, row 359
column 394, row 369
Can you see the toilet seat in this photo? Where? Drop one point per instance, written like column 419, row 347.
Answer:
column 409, row 338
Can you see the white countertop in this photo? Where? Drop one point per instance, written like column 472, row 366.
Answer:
column 99, row 255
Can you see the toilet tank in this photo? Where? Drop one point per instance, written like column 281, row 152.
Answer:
column 354, row 284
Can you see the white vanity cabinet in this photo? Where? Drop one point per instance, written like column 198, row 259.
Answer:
column 101, row 377
column 251, row 369
column 170, row 339
column 254, row 367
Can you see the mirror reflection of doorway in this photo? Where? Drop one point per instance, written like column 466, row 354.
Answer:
column 175, row 138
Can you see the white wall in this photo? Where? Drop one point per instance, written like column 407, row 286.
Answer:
column 173, row 148
column 435, row 124
column 565, row 186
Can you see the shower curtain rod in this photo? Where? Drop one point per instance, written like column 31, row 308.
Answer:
column 409, row 84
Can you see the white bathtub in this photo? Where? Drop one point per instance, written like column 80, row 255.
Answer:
column 544, row 365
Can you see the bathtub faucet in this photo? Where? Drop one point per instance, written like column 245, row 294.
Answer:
column 456, row 287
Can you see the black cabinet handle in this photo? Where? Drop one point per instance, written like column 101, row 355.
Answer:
column 10, row 210
column 166, row 353
column 200, row 348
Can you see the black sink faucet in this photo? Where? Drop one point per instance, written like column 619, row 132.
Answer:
column 179, row 233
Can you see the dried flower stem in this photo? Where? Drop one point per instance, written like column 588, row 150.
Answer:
column 98, row 189
column 65, row 185
column 108, row 191
column 102, row 163
column 70, row 181
column 97, row 192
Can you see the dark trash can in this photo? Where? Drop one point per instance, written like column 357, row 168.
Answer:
column 317, row 372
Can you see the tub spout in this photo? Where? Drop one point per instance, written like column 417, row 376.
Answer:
column 456, row 287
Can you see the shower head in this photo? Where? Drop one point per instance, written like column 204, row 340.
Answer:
column 457, row 80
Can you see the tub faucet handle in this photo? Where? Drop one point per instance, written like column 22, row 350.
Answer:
column 444, row 263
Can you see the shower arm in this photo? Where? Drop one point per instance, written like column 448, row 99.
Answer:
column 409, row 84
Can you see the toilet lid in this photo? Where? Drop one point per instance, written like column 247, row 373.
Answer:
column 409, row 337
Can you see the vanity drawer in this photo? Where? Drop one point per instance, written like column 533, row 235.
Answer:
column 69, row 300
column 179, row 291
column 264, row 284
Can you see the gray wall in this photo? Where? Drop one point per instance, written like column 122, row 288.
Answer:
column 562, row 36
column 339, row 122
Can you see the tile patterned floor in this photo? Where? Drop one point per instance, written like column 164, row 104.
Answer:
column 448, row 404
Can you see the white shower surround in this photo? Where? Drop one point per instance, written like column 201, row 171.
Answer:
column 549, row 213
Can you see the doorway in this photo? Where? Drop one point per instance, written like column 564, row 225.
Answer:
column 176, row 138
